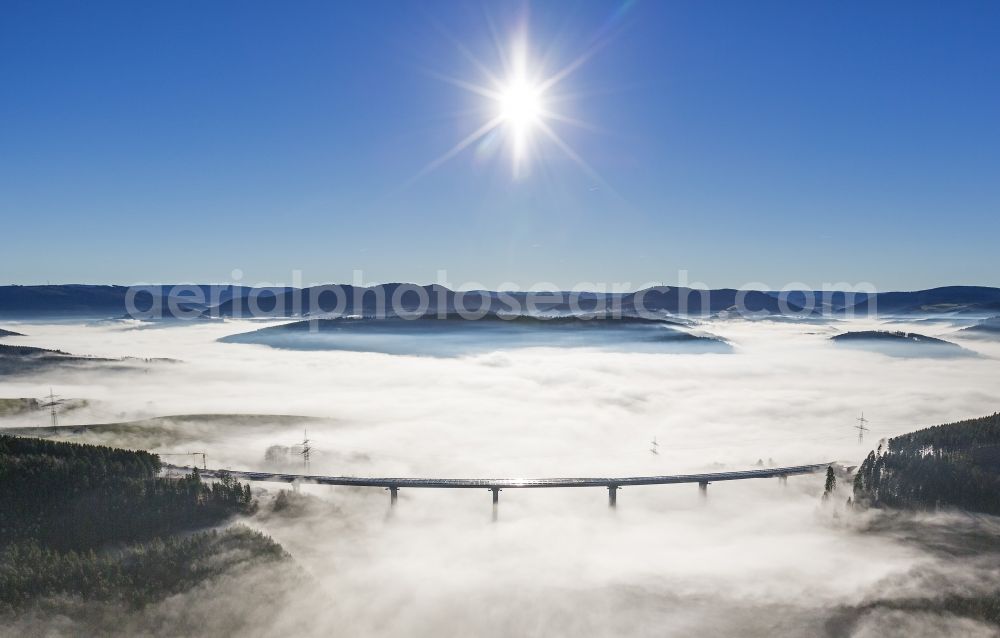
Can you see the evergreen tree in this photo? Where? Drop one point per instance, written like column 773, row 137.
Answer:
column 831, row 483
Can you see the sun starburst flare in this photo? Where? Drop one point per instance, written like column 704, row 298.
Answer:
column 520, row 112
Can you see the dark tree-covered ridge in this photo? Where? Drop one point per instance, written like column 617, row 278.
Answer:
column 954, row 465
column 98, row 523
column 135, row 575
column 69, row 496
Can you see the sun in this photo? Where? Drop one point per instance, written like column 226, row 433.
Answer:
column 519, row 100
column 521, row 104
column 520, row 108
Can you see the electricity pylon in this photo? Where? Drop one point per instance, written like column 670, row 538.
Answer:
column 861, row 427
column 306, row 450
column 53, row 403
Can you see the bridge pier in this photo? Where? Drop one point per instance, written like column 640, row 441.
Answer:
column 703, row 490
column 393, row 496
column 783, row 480
column 612, row 496
column 496, row 502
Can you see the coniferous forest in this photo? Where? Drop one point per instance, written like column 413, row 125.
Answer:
column 101, row 524
column 955, row 465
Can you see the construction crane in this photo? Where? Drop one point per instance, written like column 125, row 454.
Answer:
column 204, row 463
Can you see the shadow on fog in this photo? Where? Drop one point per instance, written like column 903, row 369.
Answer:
column 453, row 336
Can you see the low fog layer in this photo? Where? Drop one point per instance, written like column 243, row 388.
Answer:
column 755, row 559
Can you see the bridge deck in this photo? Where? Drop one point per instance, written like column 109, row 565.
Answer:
column 505, row 483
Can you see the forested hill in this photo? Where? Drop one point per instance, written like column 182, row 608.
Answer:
column 954, row 465
column 954, row 438
column 72, row 496
column 92, row 522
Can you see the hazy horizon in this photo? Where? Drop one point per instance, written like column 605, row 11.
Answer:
column 598, row 287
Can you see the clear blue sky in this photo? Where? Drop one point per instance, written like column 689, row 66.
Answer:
column 741, row 141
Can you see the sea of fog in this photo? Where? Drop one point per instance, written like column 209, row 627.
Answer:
column 754, row 559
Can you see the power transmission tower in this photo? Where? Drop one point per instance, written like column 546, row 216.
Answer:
column 861, row 427
column 655, row 449
column 53, row 403
column 306, row 450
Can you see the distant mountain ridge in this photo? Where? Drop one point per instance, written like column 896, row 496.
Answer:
column 989, row 328
column 947, row 299
column 401, row 298
column 104, row 301
column 211, row 301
